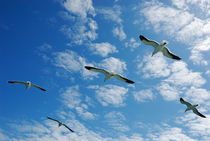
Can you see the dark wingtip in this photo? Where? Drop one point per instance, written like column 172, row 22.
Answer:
column 129, row 81
column 10, row 81
column 88, row 67
column 177, row 58
column 142, row 37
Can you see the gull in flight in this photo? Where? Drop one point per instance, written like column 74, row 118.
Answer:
column 108, row 75
column 60, row 123
column 159, row 47
column 191, row 107
column 28, row 84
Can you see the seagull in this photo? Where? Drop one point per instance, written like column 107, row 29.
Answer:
column 28, row 84
column 60, row 123
column 108, row 75
column 191, row 107
column 159, row 47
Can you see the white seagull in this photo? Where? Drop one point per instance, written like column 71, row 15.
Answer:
column 108, row 75
column 159, row 47
column 60, row 124
column 191, row 107
column 28, row 84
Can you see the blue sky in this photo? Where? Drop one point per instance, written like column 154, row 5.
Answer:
column 50, row 42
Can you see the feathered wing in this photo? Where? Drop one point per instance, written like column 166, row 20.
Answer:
column 119, row 77
column 97, row 70
column 53, row 119
column 68, row 128
column 198, row 113
column 167, row 53
column 19, row 82
column 38, row 87
column 148, row 42
column 185, row 102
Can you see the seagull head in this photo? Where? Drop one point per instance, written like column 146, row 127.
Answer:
column 28, row 82
column 164, row 42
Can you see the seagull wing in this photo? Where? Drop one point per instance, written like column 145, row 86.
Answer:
column 53, row 119
column 119, row 77
column 97, row 70
column 20, row 82
column 38, row 87
column 198, row 113
column 68, row 128
column 148, row 42
column 185, row 102
column 167, row 53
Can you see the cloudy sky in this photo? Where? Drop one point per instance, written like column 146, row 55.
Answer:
column 49, row 42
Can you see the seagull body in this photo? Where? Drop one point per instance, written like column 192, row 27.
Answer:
column 28, row 84
column 109, row 75
column 60, row 123
column 191, row 107
column 159, row 47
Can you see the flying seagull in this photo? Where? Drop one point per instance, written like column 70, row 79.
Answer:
column 28, row 84
column 60, row 123
column 159, row 47
column 191, row 107
column 108, row 75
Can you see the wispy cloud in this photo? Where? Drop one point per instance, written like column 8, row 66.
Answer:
column 170, row 133
column 182, row 23
column 116, row 121
column 80, row 7
column 143, row 95
column 153, row 67
column 72, row 62
column 113, row 64
column 110, row 94
column 71, row 98
column 132, row 43
column 103, row 49
column 114, row 14
column 84, row 26
column 119, row 32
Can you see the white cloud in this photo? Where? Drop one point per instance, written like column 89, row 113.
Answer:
column 182, row 76
column 170, row 134
column 103, row 49
column 83, row 27
column 143, row 95
column 110, row 94
column 168, row 92
column 115, row 120
column 71, row 98
column 197, row 49
column 79, row 7
column 183, row 24
column 113, row 64
column 119, row 32
column 132, row 43
column 72, row 62
column 81, row 32
column 155, row 66
column 112, row 14
column 180, row 80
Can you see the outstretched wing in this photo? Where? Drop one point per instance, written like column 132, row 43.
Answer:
column 119, row 77
column 185, row 102
column 53, row 119
column 148, row 42
column 38, row 87
column 20, row 82
column 68, row 128
column 198, row 113
column 167, row 53
column 97, row 70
